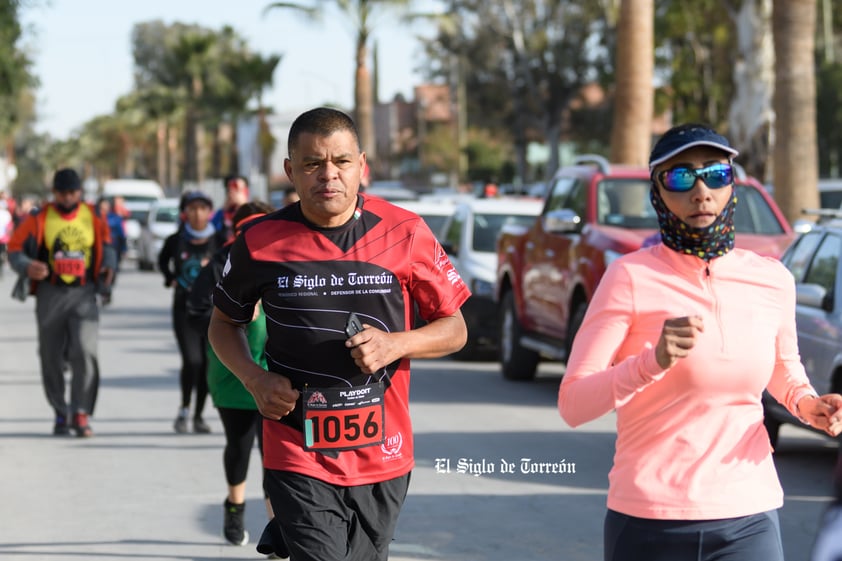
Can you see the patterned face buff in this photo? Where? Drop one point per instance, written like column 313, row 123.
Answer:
column 706, row 243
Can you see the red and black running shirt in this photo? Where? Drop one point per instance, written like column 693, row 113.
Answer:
column 380, row 265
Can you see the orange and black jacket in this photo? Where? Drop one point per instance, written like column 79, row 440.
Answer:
column 28, row 240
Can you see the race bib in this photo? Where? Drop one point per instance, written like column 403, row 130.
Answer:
column 344, row 418
column 69, row 266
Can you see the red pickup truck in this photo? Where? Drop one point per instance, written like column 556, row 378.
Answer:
column 593, row 213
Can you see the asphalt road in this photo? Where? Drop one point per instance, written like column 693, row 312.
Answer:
column 498, row 476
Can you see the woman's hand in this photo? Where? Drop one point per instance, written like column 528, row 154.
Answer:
column 678, row 337
column 823, row 412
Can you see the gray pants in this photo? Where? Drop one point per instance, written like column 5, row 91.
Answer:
column 68, row 333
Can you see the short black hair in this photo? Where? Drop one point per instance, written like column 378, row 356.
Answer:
column 251, row 207
column 233, row 177
column 322, row 121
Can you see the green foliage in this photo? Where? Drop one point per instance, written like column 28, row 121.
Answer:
column 439, row 150
column 199, row 76
column 15, row 77
column 523, row 63
column 695, row 45
column 212, row 71
column 488, row 156
column 829, row 118
column 32, row 158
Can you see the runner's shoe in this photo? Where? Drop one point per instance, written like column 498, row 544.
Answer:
column 61, row 428
column 180, row 424
column 81, row 426
column 200, row 426
column 233, row 528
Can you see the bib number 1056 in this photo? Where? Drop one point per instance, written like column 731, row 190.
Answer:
column 343, row 429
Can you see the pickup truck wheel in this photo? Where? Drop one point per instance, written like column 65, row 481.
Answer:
column 517, row 362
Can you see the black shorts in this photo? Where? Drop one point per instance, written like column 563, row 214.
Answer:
column 748, row 538
column 324, row 522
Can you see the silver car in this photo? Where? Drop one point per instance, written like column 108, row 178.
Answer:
column 814, row 260
column 162, row 221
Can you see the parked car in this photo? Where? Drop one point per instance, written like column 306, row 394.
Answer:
column 391, row 191
column 814, row 259
column 137, row 196
column 133, row 190
column 830, row 193
column 434, row 212
column 133, row 223
column 469, row 237
column 593, row 213
column 162, row 221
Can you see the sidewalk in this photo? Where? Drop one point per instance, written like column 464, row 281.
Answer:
column 136, row 490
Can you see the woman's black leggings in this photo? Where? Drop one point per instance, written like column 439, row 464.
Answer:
column 241, row 426
column 748, row 538
column 192, row 344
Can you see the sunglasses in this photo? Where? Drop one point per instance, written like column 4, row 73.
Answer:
column 681, row 179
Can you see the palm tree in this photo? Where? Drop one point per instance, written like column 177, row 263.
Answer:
column 795, row 152
column 194, row 55
column 362, row 14
column 634, row 93
column 157, row 110
column 252, row 74
column 17, row 83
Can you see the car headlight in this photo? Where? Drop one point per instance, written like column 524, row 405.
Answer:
column 610, row 256
column 480, row 287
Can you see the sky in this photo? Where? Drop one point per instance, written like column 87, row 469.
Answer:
column 82, row 53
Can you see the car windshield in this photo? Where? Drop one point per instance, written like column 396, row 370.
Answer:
column 435, row 222
column 624, row 203
column 831, row 197
column 166, row 214
column 753, row 214
column 139, row 215
column 487, row 227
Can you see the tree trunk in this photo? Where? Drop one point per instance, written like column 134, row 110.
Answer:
column 751, row 116
column 189, row 158
column 364, row 101
column 161, row 153
column 127, row 166
column 216, row 151
column 631, row 134
column 201, row 154
column 795, row 152
column 552, row 132
column 234, row 150
column 173, row 164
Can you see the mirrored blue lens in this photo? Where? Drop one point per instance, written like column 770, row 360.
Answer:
column 682, row 179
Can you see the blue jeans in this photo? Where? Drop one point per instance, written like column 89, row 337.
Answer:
column 748, row 538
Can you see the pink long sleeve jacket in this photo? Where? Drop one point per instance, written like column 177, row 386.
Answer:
column 690, row 440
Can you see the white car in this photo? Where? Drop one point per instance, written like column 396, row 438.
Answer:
column 137, row 195
column 434, row 212
column 133, row 224
column 162, row 221
column 470, row 239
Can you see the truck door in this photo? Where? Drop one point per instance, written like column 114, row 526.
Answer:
column 547, row 264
